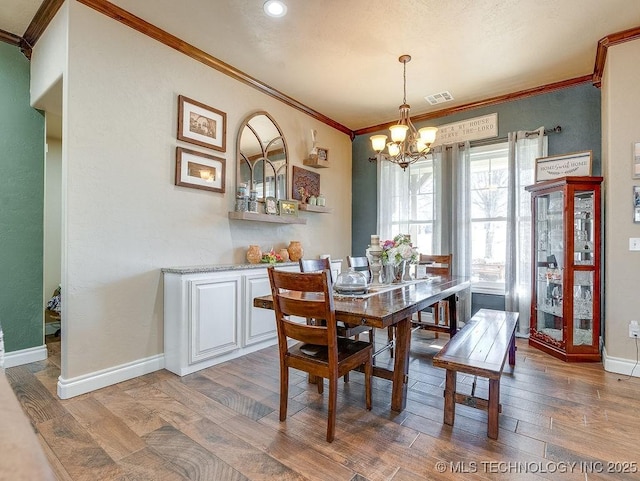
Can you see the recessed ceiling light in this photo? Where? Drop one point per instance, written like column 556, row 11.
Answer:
column 275, row 8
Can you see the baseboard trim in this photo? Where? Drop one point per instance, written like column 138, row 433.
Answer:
column 68, row 388
column 620, row 365
column 25, row 356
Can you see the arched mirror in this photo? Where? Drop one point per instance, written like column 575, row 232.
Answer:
column 262, row 157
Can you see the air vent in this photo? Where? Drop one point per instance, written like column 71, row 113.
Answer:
column 439, row 98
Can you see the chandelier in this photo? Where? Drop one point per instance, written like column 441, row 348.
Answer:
column 407, row 144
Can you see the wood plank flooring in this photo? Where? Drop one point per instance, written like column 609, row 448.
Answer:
column 559, row 421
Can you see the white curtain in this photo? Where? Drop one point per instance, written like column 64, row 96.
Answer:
column 393, row 200
column 524, row 148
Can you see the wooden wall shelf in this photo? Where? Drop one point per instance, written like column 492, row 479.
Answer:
column 254, row 216
column 315, row 208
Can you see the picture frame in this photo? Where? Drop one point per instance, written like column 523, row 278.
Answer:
column 288, row 207
column 270, row 205
column 201, row 124
column 199, row 170
column 306, row 181
column 636, row 204
column 323, row 154
column 635, row 173
column 556, row 166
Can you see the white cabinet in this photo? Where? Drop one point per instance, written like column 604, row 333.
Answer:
column 209, row 315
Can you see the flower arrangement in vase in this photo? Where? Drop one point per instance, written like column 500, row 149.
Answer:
column 271, row 257
column 398, row 250
column 397, row 253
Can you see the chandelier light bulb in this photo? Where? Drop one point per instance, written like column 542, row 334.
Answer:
column 378, row 142
column 394, row 149
column 398, row 132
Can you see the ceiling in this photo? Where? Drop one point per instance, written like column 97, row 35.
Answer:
column 340, row 57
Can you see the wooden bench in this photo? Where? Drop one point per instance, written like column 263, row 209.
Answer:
column 480, row 348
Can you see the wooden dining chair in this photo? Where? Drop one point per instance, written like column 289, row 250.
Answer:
column 344, row 330
column 319, row 352
column 362, row 264
column 439, row 265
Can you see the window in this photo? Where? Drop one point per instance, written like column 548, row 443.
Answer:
column 488, row 185
column 410, row 206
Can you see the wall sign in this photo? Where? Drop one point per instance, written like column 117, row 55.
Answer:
column 576, row 163
column 472, row 129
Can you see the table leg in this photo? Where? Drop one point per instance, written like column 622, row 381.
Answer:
column 512, row 350
column 450, row 397
column 494, row 408
column 453, row 315
column 401, row 365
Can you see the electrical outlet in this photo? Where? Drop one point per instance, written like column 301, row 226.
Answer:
column 634, row 329
column 634, row 243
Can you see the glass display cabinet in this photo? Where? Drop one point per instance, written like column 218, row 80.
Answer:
column 565, row 298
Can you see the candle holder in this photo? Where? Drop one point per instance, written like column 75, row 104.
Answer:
column 375, row 263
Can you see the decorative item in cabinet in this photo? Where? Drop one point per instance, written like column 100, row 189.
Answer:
column 566, row 235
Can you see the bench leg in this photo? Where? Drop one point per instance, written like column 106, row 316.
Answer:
column 450, row 397
column 512, row 350
column 494, row 408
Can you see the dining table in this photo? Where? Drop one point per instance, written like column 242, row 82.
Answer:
column 394, row 305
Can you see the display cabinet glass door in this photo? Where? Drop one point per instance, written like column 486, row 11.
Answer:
column 584, row 265
column 549, row 259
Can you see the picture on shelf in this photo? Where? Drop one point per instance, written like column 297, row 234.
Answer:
column 288, row 207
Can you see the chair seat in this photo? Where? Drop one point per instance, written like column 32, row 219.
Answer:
column 313, row 352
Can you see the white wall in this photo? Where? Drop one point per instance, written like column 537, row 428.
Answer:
column 124, row 217
column 620, row 129
column 52, row 216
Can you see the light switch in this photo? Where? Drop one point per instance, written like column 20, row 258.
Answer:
column 634, row 243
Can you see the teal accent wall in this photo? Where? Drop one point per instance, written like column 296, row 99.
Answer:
column 576, row 109
column 21, row 205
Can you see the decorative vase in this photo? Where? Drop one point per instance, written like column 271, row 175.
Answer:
column 254, row 254
column 284, row 253
column 398, row 272
column 295, row 251
column 407, row 272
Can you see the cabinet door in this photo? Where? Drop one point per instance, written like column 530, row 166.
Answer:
column 260, row 324
column 213, row 317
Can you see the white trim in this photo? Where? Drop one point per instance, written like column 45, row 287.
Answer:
column 25, row 356
column 68, row 388
column 619, row 365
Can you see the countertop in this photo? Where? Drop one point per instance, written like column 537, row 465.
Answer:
column 225, row 267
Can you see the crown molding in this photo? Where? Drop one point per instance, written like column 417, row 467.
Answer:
column 483, row 103
column 49, row 8
column 144, row 27
column 603, row 45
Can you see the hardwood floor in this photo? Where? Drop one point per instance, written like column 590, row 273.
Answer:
column 559, row 421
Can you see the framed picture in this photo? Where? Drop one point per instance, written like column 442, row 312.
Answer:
column 576, row 163
column 323, row 154
column 288, row 207
column 636, row 204
column 199, row 171
column 305, row 183
column 636, row 161
column 201, row 125
column 270, row 205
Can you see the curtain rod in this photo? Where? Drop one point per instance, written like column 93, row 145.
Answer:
column 494, row 140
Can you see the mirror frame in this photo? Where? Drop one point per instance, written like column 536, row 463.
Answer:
column 241, row 159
